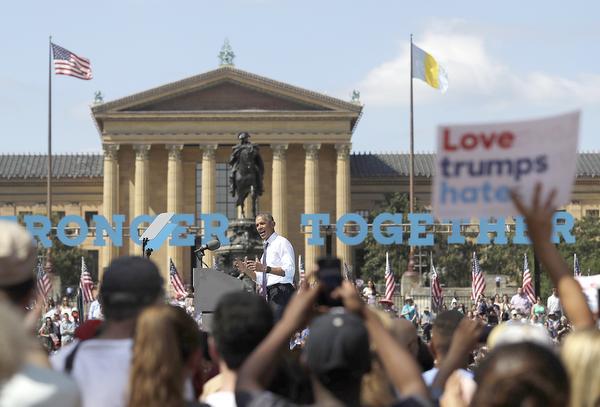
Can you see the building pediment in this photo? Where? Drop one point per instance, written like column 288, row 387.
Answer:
column 225, row 89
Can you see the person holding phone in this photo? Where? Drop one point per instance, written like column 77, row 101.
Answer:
column 274, row 271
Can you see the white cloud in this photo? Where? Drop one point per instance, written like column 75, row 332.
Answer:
column 475, row 76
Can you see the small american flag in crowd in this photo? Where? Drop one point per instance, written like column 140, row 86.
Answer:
column 44, row 285
column 478, row 280
column 437, row 296
column 70, row 64
column 576, row 269
column 527, row 283
column 390, row 284
column 176, row 282
column 85, row 283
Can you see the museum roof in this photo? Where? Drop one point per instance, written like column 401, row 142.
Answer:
column 382, row 165
column 32, row 166
column 362, row 165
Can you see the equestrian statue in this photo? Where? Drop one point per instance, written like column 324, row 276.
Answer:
column 247, row 170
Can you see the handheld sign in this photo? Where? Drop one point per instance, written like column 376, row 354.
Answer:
column 478, row 165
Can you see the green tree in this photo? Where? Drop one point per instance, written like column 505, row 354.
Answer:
column 66, row 260
column 373, row 265
column 587, row 245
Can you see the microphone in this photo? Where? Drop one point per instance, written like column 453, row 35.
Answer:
column 211, row 245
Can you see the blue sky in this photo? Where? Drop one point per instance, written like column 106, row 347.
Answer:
column 505, row 60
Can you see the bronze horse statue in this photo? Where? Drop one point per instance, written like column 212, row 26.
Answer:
column 247, row 169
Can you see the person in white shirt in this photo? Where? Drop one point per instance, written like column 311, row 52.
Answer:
column 95, row 311
column 553, row 304
column 101, row 365
column 275, row 269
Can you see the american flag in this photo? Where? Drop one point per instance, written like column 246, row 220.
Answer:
column 390, row 284
column 85, row 283
column 437, row 296
column 44, row 285
column 576, row 269
column 70, row 64
column 176, row 282
column 478, row 280
column 527, row 284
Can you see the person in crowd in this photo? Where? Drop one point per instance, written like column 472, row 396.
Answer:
column 370, row 293
column 67, row 330
column 462, row 309
column 521, row 374
column 580, row 353
column 167, row 348
column 75, row 317
column 29, row 382
column 240, row 322
column 521, row 302
column 336, row 353
column 129, row 285
column 505, row 308
column 552, row 325
column 454, row 303
column 49, row 335
column 482, row 307
column 409, row 310
column 553, row 303
column 470, row 315
column 65, row 306
column 539, row 223
column 539, row 311
column 442, row 334
column 274, row 272
column 497, row 300
column 426, row 324
column 95, row 311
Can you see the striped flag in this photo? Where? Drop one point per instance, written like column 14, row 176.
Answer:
column 390, row 284
column 70, row 64
column 85, row 283
column 176, row 282
column 527, row 283
column 437, row 296
column 44, row 285
column 477, row 279
column 576, row 269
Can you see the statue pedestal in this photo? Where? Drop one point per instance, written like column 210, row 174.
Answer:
column 243, row 241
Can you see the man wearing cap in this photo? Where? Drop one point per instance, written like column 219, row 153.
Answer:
column 274, row 273
column 101, row 365
column 34, row 384
column 337, row 354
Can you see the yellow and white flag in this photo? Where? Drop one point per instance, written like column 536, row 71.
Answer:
column 426, row 68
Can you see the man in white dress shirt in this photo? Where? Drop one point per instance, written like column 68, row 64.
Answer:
column 274, row 271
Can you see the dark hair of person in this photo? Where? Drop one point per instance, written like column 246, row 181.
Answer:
column 424, row 357
column 521, row 374
column 240, row 322
column 20, row 293
column 444, row 326
column 165, row 339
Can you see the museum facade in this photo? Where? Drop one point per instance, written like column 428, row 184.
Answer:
column 167, row 150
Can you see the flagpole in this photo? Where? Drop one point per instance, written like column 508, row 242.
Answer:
column 49, row 184
column 411, row 166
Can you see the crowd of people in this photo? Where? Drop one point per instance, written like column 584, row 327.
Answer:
column 327, row 345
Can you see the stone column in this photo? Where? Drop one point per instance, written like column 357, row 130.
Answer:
column 110, row 205
column 174, row 199
column 311, row 201
column 279, row 188
column 209, row 187
column 342, row 196
column 141, row 199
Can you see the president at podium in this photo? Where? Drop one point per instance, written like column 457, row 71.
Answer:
column 274, row 271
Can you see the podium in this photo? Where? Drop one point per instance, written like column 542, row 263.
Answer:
column 209, row 287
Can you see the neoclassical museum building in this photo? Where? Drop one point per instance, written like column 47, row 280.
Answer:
column 166, row 149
